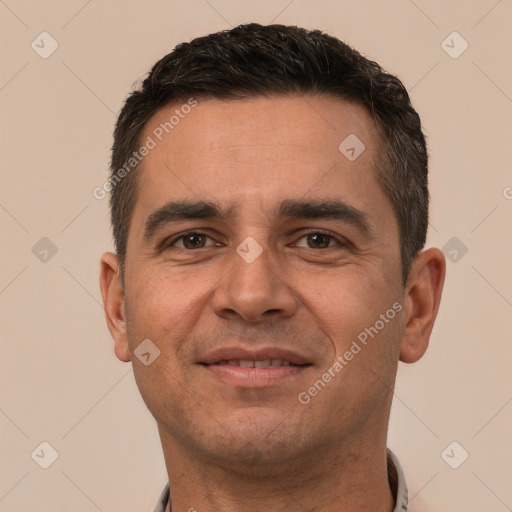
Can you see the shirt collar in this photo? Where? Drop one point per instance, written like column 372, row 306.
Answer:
column 397, row 483
column 396, row 479
column 163, row 500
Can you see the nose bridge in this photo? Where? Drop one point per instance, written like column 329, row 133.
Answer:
column 253, row 288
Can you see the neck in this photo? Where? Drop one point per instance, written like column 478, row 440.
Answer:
column 348, row 478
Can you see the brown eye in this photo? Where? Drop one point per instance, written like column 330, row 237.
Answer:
column 193, row 241
column 318, row 240
column 321, row 240
column 190, row 241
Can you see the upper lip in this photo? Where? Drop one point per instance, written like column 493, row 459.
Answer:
column 248, row 354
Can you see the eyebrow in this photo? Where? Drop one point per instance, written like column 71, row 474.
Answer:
column 328, row 209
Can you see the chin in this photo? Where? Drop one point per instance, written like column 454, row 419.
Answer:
column 254, row 443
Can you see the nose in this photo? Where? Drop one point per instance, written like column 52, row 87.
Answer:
column 253, row 291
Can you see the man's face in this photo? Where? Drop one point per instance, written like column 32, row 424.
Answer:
column 264, row 282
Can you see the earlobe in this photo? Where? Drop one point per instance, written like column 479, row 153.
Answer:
column 422, row 300
column 114, row 305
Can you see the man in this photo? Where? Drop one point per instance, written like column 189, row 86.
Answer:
column 269, row 205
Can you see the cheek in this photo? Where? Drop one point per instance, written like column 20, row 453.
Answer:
column 165, row 307
column 351, row 301
column 366, row 357
column 367, row 316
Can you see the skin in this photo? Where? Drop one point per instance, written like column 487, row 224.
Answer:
column 234, row 447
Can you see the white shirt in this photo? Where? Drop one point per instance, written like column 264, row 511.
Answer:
column 396, row 479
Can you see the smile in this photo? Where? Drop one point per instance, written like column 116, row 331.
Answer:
column 254, row 374
column 265, row 363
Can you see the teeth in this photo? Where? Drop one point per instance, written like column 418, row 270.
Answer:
column 266, row 363
column 262, row 364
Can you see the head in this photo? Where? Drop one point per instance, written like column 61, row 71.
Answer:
column 250, row 228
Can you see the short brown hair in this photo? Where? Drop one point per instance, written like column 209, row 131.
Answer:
column 255, row 60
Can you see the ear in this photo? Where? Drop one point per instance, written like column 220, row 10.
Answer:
column 422, row 298
column 113, row 304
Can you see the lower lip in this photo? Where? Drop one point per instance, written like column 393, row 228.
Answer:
column 253, row 377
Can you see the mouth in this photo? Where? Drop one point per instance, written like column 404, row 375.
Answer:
column 265, row 363
column 254, row 369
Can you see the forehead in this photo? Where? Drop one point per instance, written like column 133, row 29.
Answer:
column 259, row 151
column 302, row 121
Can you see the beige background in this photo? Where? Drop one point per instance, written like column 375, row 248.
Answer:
column 60, row 381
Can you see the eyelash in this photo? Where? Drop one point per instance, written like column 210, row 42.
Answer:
column 169, row 244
